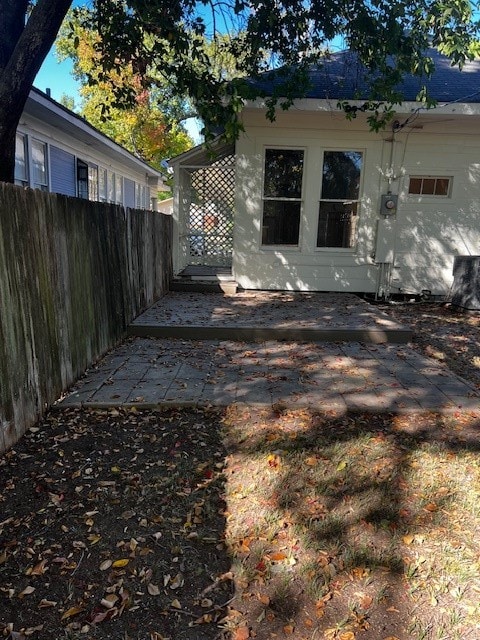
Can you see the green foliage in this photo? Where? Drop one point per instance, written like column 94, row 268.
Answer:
column 205, row 51
column 146, row 120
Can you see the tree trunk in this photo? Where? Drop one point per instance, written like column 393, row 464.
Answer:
column 20, row 61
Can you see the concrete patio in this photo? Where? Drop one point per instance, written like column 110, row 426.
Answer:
column 293, row 367
column 262, row 315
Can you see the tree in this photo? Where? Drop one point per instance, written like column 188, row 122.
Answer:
column 150, row 126
column 168, row 38
column 27, row 32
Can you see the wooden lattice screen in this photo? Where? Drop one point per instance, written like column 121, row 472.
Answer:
column 209, row 213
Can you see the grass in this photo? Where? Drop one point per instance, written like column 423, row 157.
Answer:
column 379, row 514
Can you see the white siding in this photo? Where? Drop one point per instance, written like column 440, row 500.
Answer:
column 419, row 242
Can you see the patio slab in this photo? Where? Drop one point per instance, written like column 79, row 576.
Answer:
column 323, row 376
column 256, row 316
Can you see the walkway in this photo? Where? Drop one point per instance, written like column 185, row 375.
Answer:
column 339, row 376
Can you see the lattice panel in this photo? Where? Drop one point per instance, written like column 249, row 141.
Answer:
column 211, row 213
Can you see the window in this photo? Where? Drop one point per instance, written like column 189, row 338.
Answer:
column 39, row 165
column 282, row 196
column 429, row 186
column 111, row 186
column 92, row 182
column 21, row 164
column 119, row 190
column 82, row 179
column 102, row 185
column 339, row 200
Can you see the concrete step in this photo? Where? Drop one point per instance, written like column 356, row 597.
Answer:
column 371, row 335
column 212, row 284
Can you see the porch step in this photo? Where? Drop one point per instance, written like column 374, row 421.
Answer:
column 204, row 285
column 372, row 335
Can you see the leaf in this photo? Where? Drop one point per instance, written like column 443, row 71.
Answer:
column 118, row 564
column 175, row 604
column 44, row 604
column 177, row 582
column 73, row 611
column 106, row 564
column 242, row 633
column 347, row 635
column 26, row 592
column 408, row 539
column 152, row 589
column 288, row 629
column 341, row 465
column 206, row 603
column 39, row 569
column 278, row 556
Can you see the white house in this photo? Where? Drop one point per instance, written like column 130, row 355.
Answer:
column 58, row 151
column 325, row 204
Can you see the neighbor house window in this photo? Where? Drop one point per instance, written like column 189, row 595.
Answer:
column 92, row 182
column 39, row 165
column 111, row 186
column 21, row 164
column 282, row 196
column 339, row 199
column 119, row 190
column 102, row 185
column 429, row 186
column 82, row 179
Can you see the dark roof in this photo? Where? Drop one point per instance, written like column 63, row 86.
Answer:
column 342, row 77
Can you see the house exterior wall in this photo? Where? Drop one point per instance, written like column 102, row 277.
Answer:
column 109, row 179
column 407, row 252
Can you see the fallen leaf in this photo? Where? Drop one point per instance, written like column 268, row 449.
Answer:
column 288, row 629
column 175, row 604
column 26, row 592
column 39, row 569
column 177, row 581
column 242, row 633
column 73, row 611
column 152, row 589
column 278, row 556
column 44, row 604
column 106, row 564
column 120, row 563
column 206, row 603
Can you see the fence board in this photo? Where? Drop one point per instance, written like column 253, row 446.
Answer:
column 73, row 274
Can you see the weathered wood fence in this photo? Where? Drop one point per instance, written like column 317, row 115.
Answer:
column 73, row 274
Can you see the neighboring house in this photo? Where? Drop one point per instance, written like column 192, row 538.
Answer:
column 58, row 151
column 322, row 203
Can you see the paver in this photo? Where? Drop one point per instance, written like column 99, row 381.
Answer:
column 328, row 376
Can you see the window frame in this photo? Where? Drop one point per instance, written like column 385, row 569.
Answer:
column 357, row 201
column 25, row 180
column 42, row 186
column 436, row 178
column 301, row 200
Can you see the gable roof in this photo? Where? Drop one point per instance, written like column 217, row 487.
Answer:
column 342, row 77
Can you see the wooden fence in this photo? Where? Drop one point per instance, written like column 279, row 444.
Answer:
column 73, row 274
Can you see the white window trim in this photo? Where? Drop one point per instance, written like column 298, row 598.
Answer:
column 284, row 247
column 359, row 201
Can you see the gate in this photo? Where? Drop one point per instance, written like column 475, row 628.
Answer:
column 208, row 212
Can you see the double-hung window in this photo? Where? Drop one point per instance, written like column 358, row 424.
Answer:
column 39, row 165
column 21, row 160
column 339, row 199
column 282, row 196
